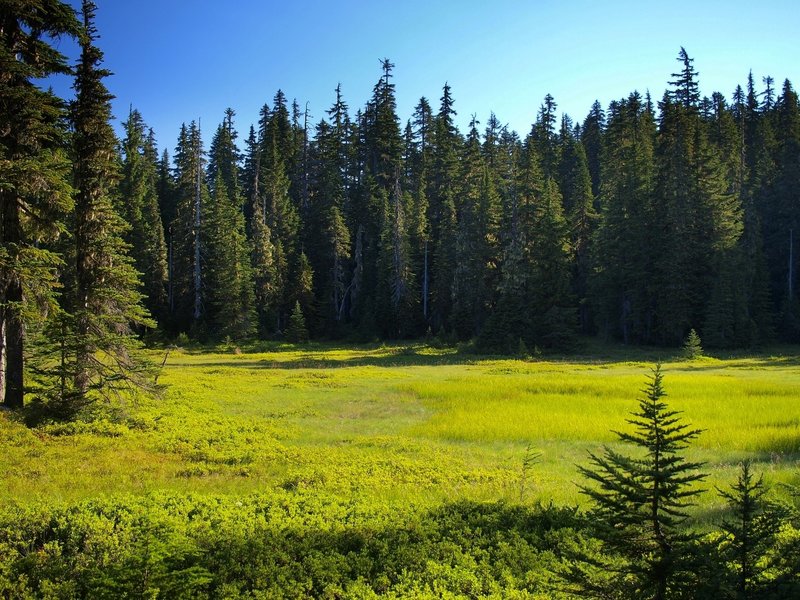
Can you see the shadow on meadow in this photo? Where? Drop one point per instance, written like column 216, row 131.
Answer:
column 281, row 546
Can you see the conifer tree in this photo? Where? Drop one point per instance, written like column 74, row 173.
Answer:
column 477, row 244
column 576, row 191
column 296, row 331
column 106, row 302
column 138, row 204
column 397, row 300
column 750, row 532
column 187, row 301
column 229, row 276
column 35, row 193
column 640, row 503
column 443, row 207
column 592, row 132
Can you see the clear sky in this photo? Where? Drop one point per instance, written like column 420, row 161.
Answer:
column 178, row 60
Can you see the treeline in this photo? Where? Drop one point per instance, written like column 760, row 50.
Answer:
column 640, row 223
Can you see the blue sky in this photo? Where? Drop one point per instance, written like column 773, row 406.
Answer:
column 178, row 60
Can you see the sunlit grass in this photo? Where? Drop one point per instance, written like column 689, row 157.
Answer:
column 401, row 424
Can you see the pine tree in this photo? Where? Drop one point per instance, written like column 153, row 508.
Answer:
column 35, row 195
column 640, row 502
column 106, row 302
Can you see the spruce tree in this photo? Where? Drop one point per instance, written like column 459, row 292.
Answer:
column 106, row 302
column 640, row 501
column 35, row 195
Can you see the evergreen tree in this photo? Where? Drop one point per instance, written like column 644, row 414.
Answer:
column 592, row 137
column 106, row 301
column 296, row 331
column 187, row 301
column 443, row 183
column 138, row 204
column 750, row 533
column 576, row 191
column 35, row 194
column 397, row 300
column 476, row 242
column 229, row 275
column 640, row 503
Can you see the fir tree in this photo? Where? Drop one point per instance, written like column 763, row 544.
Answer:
column 296, row 331
column 138, row 204
column 229, row 276
column 35, row 194
column 106, row 301
column 750, row 533
column 640, row 503
column 187, row 299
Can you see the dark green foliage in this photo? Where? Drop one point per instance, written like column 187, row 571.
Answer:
column 103, row 300
column 139, row 205
column 750, row 533
column 640, row 501
column 35, row 193
column 692, row 346
column 296, row 331
column 282, row 544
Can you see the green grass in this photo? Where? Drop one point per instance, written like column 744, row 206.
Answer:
column 402, row 425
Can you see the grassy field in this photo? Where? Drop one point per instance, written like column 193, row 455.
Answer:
column 405, row 425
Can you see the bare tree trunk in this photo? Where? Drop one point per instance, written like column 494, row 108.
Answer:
column 197, row 222
column 2, row 356
column 14, row 334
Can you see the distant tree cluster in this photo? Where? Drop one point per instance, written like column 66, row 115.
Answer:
column 642, row 223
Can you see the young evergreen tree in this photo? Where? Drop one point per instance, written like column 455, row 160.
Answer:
column 750, row 533
column 35, row 193
column 107, row 302
column 640, row 503
column 296, row 331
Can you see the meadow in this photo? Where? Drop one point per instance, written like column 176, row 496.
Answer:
column 378, row 435
column 403, row 423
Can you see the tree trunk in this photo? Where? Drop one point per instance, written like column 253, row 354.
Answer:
column 2, row 356
column 14, row 392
